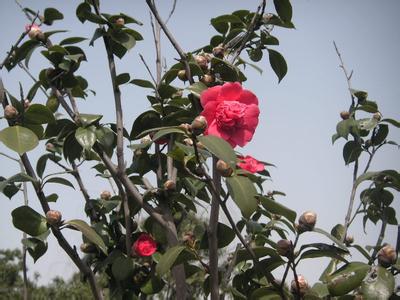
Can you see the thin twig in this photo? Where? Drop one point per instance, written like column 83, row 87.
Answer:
column 24, row 236
column 380, row 239
column 148, row 69
column 32, row 77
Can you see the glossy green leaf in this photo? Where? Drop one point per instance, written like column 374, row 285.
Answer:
column 20, row 177
column 168, row 259
column 332, row 238
column 347, row 278
column 166, row 131
column 99, row 32
column 380, row 135
column 275, row 207
column 52, row 198
column 122, row 268
column 197, row 88
column 220, row 148
column 314, row 253
column 378, row 284
column 19, row 139
column 225, row 236
column 60, row 180
column 147, row 120
column 52, row 14
column 123, row 78
column 152, row 286
column 244, row 193
column 265, row 293
column 36, row 247
column 29, row 221
column 243, row 254
column 343, row 128
column 89, row 233
column 284, row 9
column 392, row 122
column 320, row 289
column 88, row 119
column 143, row 83
column 351, row 151
column 38, row 114
column 278, row 64
column 72, row 40
column 86, row 137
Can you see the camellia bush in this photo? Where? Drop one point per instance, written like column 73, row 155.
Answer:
column 178, row 168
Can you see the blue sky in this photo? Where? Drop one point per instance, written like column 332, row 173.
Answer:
column 298, row 116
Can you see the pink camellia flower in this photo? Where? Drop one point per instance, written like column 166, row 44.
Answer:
column 231, row 112
column 32, row 27
column 250, row 164
column 144, row 245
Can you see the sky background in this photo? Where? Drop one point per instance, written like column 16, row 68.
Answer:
column 298, row 116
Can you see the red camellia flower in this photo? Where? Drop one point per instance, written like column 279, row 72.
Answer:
column 144, row 245
column 231, row 112
column 250, row 164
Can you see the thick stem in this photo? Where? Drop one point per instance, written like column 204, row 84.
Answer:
column 24, row 236
column 212, row 234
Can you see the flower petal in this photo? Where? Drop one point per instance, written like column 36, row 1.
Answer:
column 210, row 94
column 242, row 137
column 209, row 111
column 251, row 116
column 247, row 97
column 230, row 91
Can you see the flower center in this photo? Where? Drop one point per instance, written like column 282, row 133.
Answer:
column 229, row 114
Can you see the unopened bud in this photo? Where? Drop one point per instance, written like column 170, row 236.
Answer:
column 182, row 75
column 33, row 31
column 345, row 115
column 27, row 103
column 186, row 127
column 223, row 168
column 307, row 221
column 53, row 217
column 10, row 112
column 50, row 147
column 105, row 195
column 202, row 61
column 284, row 248
column 207, row 79
column 218, row 51
column 169, row 185
column 349, row 240
column 377, row 116
column 199, row 125
column 303, row 286
column 120, row 21
column 88, row 248
column 146, row 139
column 387, row 256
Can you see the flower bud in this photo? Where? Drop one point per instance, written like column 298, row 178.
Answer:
column 105, row 195
column 27, row 103
column 53, row 217
column 202, row 61
column 10, row 112
column 186, row 127
column 33, row 31
column 120, row 22
column 207, row 79
column 303, row 286
column 145, row 139
column 377, row 116
column 349, row 240
column 199, row 125
column 88, row 248
column 284, row 248
column 307, row 221
column 223, row 168
column 345, row 115
column 169, row 185
column 182, row 75
column 219, row 51
column 41, row 37
column 50, row 147
column 387, row 256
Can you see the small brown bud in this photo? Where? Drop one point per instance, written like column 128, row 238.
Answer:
column 182, row 75
column 202, row 61
column 307, row 221
column 349, row 240
column 186, row 127
column 169, row 185
column 224, row 169
column 345, row 115
column 50, row 147
column 120, row 22
column 199, row 125
column 105, row 195
column 387, row 256
column 207, row 79
column 303, row 285
column 377, row 116
column 88, row 248
column 219, row 51
column 10, row 112
column 53, row 217
column 284, row 248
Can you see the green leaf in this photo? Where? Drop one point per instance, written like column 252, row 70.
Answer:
column 52, row 14
column 52, row 198
column 332, row 238
column 72, row 40
column 122, row 268
column 379, row 284
column 367, row 124
column 36, row 247
column 29, row 221
column 152, row 286
column 244, row 193
column 368, row 106
column 265, row 293
column 98, row 33
column 380, row 135
column 41, row 164
column 167, row 131
column 227, row 71
column 60, row 180
column 275, row 207
column 147, row 120
column 122, row 78
column 243, row 254
column 197, row 88
column 220, row 148
column 168, row 259
column 347, row 278
column 86, row 137
column 32, row 92
column 89, row 233
column 284, row 9
column 38, row 114
column 313, row 253
column 338, row 231
column 391, row 121
column 143, row 83
column 225, row 236
column 19, row 139
column 351, row 151
column 88, row 119
column 278, row 64
column 343, row 128
column 20, row 177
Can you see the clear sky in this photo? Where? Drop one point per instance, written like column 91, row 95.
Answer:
column 298, row 116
